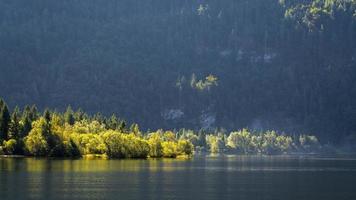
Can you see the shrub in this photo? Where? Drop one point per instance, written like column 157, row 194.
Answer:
column 308, row 142
column 216, row 143
column 240, row 141
column 191, row 137
column 272, row 143
column 185, row 147
column 89, row 143
column 170, row 149
column 10, row 146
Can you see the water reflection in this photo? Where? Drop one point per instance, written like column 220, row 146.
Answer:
column 231, row 177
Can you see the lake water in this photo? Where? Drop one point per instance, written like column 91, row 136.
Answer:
column 237, row 177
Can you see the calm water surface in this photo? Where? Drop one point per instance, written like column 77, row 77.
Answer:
column 239, row 177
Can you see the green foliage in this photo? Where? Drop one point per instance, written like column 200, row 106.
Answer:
column 15, row 127
column 216, row 143
column 185, row 147
column 5, row 120
column 52, row 135
column 85, row 126
column 134, row 128
column 248, row 44
column 191, row 137
column 165, row 144
column 36, row 142
column 26, row 122
column 89, row 143
column 47, row 115
column 309, row 142
column 206, row 84
column 317, row 13
column 125, row 145
column 170, row 149
column 80, row 115
column 33, row 113
column 68, row 116
column 241, row 141
column 155, row 142
column 169, row 136
column 10, row 146
column 113, row 123
column 274, row 143
column 122, row 126
column 245, row 142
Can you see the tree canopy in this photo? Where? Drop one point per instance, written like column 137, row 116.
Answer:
column 285, row 65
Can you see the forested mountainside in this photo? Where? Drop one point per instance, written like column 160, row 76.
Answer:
column 287, row 65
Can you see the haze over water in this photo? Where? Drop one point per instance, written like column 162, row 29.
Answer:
column 237, row 177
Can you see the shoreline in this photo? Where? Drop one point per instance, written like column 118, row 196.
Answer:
column 186, row 157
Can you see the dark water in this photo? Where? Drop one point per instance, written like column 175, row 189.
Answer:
column 244, row 177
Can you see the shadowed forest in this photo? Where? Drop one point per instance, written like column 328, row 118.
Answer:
column 213, row 66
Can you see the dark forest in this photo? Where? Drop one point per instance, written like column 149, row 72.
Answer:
column 286, row 65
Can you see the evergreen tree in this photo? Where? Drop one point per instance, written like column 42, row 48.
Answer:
column 26, row 121
column 5, row 120
column 68, row 116
column 134, row 128
column 47, row 115
column 34, row 113
column 122, row 126
column 79, row 115
column 2, row 103
column 14, row 128
column 113, row 122
column 98, row 117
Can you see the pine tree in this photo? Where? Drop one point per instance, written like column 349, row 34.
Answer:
column 34, row 113
column 79, row 115
column 2, row 103
column 14, row 128
column 113, row 122
column 68, row 116
column 47, row 115
column 26, row 121
column 122, row 126
column 134, row 128
column 98, row 117
column 5, row 120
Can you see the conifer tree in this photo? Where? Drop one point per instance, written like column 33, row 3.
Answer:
column 14, row 128
column 79, row 115
column 26, row 121
column 113, row 122
column 33, row 113
column 2, row 103
column 68, row 116
column 5, row 120
column 134, row 128
column 122, row 126
column 47, row 115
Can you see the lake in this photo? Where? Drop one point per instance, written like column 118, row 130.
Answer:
column 202, row 177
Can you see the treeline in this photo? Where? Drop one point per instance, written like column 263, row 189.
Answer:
column 266, row 143
column 75, row 134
